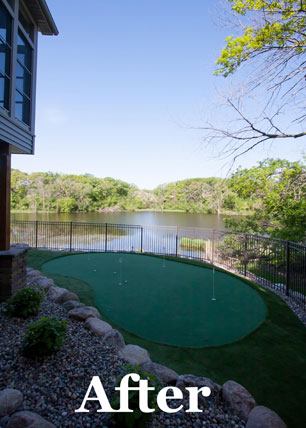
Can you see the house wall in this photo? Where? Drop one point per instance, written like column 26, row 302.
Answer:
column 13, row 131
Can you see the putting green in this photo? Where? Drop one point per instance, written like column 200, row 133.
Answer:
column 166, row 301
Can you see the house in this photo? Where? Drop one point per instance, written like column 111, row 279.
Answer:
column 20, row 22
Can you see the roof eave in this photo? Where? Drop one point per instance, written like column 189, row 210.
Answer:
column 42, row 16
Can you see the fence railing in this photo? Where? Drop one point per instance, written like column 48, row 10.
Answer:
column 277, row 263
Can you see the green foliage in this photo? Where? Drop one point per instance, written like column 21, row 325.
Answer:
column 25, row 303
column 137, row 419
column 281, row 27
column 44, row 337
column 276, row 190
column 273, row 194
column 193, row 243
column 67, row 204
column 69, row 193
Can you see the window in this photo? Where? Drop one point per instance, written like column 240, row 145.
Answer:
column 23, row 80
column 26, row 22
column 11, row 3
column 5, row 56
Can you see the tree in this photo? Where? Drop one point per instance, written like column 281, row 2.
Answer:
column 276, row 190
column 271, row 40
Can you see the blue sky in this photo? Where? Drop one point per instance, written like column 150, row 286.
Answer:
column 121, row 87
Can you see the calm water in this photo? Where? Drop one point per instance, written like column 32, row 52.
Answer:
column 210, row 221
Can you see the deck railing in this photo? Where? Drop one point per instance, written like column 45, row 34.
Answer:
column 277, row 263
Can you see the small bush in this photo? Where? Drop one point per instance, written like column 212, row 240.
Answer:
column 25, row 303
column 198, row 244
column 137, row 419
column 44, row 337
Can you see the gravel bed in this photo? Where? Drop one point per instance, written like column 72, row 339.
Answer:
column 55, row 387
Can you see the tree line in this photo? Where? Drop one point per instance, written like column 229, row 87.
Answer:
column 271, row 196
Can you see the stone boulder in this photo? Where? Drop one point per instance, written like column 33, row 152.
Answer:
column 72, row 304
column 61, row 295
column 28, row 419
column 262, row 417
column 97, row 326
column 45, row 283
column 10, row 400
column 81, row 314
column 188, row 380
column 134, row 355
column 165, row 375
column 115, row 339
column 238, row 399
column 33, row 274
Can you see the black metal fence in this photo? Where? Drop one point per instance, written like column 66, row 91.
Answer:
column 277, row 263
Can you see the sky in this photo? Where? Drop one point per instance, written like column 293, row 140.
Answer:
column 125, row 86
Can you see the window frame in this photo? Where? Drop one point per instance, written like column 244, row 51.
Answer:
column 11, row 47
column 15, row 28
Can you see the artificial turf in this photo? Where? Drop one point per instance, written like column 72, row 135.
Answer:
column 165, row 301
column 270, row 362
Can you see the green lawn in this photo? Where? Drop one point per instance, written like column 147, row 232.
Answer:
column 270, row 362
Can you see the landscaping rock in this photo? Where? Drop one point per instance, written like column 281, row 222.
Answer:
column 115, row 339
column 134, row 354
column 45, row 283
column 165, row 375
column 3, row 421
column 10, row 400
column 61, row 295
column 97, row 326
column 262, row 417
column 188, row 380
column 81, row 314
column 33, row 274
column 72, row 304
column 28, row 419
column 238, row 399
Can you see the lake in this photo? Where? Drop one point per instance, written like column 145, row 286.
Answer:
column 143, row 218
column 172, row 233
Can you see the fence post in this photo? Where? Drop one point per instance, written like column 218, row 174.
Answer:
column 287, row 267
column 213, row 247
column 245, row 253
column 176, row 241
column 36, row 235
column 70, row 241
column 141, row 239
column 105, row 237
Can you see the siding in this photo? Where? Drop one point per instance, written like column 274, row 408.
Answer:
column 22, row 141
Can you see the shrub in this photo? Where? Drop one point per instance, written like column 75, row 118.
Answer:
column 136, row 419
column 44, row 337
column 198, row 244
column 25, row 303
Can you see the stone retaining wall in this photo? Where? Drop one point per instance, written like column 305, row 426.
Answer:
column 13, row 271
